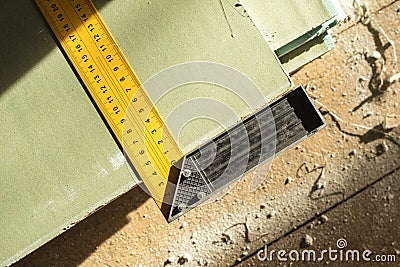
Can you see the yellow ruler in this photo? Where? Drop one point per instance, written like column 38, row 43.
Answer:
column 113, row 86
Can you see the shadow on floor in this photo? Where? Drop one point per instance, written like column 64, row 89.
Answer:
column 74, row 246
column 377, row 85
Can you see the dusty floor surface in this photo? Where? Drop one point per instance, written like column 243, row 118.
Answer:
column 342, row 183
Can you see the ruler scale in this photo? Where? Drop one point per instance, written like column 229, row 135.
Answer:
column 177, row 182
column 112, row 84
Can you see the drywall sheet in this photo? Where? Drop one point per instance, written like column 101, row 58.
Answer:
column 283, row 21
column 59, row 162
column 161, row 34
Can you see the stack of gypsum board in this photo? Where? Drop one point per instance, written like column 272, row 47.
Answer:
column 297, row 30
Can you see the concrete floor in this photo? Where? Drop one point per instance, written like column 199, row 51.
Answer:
column 343, row 181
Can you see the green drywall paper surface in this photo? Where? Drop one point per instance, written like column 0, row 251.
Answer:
column 59, row 162
column 159, row 34
column 283, row 21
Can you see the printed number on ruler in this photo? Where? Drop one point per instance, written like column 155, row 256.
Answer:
column 113, row 86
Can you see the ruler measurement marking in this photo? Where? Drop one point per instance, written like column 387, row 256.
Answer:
column 68, row 47
column 122, row 96
column 161, row 163
column 72, row 51
column 117, row 51
column 115, row 92
column 80, row 40
column 112, row 83
column 100, row 65
column 148, row 140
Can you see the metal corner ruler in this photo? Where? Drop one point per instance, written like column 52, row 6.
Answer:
column 173, row 179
